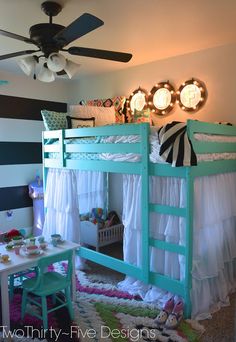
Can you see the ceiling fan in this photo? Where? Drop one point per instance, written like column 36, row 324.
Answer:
column 50, row 38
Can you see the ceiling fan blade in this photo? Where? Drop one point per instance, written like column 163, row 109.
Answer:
column 78, row 28
column 19, row 53
column 16, row 36
column 103, row 54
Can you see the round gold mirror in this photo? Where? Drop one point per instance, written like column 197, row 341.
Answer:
column 191, row 95
column 162, row 98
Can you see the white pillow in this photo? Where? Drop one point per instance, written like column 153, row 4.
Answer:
column 103, row 115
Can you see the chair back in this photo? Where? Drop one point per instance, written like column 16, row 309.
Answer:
column 46, row 261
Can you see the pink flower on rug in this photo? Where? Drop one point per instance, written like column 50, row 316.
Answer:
column 15, row 313
column 105, row 292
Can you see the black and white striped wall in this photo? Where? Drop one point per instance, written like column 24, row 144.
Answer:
column 20, row 155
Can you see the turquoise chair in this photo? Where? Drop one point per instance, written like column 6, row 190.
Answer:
column 48, row 284
column 20, row 276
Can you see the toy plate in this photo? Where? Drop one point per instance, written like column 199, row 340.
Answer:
column 40, row 252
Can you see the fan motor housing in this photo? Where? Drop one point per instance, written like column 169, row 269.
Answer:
column 43, row 35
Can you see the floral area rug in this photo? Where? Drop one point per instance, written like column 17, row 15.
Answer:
column 102, row 313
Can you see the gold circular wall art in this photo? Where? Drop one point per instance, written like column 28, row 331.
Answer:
column 138, row 100
column 191, row 95
column 162, row 98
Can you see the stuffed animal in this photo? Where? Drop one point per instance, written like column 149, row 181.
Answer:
column 97, row 213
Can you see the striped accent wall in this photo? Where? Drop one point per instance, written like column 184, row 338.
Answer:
column 21, row 129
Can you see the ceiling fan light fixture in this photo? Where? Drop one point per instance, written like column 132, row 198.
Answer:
column 71, row 68
column 56, row 62
column 27, row 64
column 46, row 75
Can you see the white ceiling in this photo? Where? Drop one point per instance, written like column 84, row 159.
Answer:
column 149, row 29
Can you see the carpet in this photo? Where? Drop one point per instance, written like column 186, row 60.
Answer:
column 102, row 313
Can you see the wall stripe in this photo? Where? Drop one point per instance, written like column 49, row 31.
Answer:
column 14, row 197
column 16, row 175
column 27, row 109
column 21, row 130
column 20, row 153
column 21, row 218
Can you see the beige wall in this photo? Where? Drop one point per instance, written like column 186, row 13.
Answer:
column 216, row 67
column 24, row 86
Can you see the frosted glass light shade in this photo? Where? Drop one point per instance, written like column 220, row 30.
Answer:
column 71, row 68
column 27, row 64
column 46, row 75
column 56, row 62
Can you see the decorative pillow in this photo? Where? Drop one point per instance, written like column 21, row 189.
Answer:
column 142, row 116
column 118, row 102
column 74, row 122
column 53, row 120
column 103, row 116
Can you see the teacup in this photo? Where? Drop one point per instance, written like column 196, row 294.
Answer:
column 5, row 258
column 17, row 249
column 56, row 237
column 41, row 239
column 17, row 240
column 55, row 242
column 32, row 241
column 43, row 245
column 32, row 249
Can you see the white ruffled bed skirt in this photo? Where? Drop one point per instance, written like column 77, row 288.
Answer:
column 68, row 193
column 214, row 235
column 214, row 238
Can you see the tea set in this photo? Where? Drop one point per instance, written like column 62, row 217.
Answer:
column 29, row 246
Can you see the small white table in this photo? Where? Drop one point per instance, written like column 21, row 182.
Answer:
column 22, row 262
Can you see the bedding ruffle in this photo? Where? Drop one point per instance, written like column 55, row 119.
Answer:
column 214, row 242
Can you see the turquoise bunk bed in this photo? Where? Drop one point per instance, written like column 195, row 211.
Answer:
column 145, row 168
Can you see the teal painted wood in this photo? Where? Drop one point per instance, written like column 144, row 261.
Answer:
column 166, row 170
column 45, row 171
column 113, row 263
column 167, row 246
column 105, row 166
column 189, row 240
column 62, row 148
column 107, row 148
column 167, row 283
column 204, row 168
column 209, row 128
column 168, row 210
column 49, row 283
column 128, row 129
column 202, row 147
column 144, row 135
column 3, row 82
column 213, row 167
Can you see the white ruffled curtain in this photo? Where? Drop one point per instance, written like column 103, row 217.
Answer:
column 69, row 193
column 214, row 244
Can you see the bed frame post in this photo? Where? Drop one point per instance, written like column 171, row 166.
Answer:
column 144, row 135
column 45, row 172
column 189, row 240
